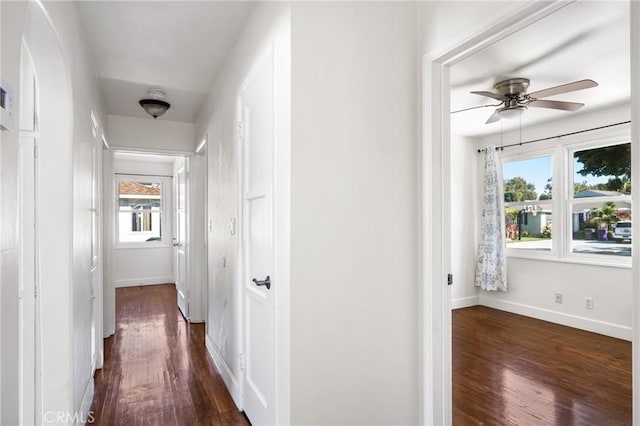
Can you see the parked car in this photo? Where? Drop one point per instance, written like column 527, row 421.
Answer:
column 622, row 231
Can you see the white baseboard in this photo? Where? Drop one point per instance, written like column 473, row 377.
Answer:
column 134, row 282
column 225, row 371
column 465, row 302
column 601, row 327
column 84, row 416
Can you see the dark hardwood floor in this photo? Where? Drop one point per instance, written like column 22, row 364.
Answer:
column 513, row 370
column 157, row 370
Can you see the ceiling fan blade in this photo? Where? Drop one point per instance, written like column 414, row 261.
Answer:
column 566, row 106
column 490, row 95
column 563, row 88
column 494, row 117
column 475, row 107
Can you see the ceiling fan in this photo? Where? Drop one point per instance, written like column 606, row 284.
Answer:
column 514, row 97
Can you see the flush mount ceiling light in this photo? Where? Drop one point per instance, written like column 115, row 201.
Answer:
column 155, row 106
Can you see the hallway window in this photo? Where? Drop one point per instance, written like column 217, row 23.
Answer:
column 140, row 210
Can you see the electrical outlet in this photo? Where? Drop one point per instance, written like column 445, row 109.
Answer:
column 558, row 297
column 588, row 302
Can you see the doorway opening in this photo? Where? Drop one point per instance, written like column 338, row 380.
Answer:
column 150, row 202
column 438, row 247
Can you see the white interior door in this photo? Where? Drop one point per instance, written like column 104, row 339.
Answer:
column 94, row 267
column 27, row 290
column 180, row 239
column 256, row 132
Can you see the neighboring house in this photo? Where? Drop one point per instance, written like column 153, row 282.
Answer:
column 139, row 211
column 581, row 218
column 534, row 223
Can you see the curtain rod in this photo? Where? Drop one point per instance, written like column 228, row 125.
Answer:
column 500, row 148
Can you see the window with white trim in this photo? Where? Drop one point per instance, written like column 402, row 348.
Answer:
column 571, row 201
column 140, row 209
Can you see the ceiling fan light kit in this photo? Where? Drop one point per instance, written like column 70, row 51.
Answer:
column 515, row 100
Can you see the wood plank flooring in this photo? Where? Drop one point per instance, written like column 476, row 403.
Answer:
column 513, row 370
column 157, row 370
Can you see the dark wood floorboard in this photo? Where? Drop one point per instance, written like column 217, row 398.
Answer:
column 513, row 370
column 157, row 370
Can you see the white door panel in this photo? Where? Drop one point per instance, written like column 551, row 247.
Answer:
column 256, row 135
column 180, row 239
column 27, row 281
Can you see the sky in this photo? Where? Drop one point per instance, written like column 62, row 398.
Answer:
column 538, row 170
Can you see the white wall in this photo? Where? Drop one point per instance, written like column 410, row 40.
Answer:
column 12, row 26
column 533, row 283
column 268, row 24
column 148, row 265
column 464, row 212
column 354, row 220
column 445, row 24
column 149, row 134
column 65, row 182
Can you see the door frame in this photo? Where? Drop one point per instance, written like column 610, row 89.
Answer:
column 436, row 245
column 109, row 228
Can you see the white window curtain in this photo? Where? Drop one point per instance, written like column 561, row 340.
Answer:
column 491, row 268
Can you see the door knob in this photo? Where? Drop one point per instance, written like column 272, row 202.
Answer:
column 266, row 282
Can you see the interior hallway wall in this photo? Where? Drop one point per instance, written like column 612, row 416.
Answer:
column 354, row 214
column 268, row 25
column 12, row 27
column 66, row 371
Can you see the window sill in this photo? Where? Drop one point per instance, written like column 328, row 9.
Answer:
column 623, row 263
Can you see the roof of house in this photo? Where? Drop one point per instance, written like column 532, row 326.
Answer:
column 597, row 193
column 137, row 188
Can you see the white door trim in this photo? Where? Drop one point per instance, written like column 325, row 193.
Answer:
column 635, row 176
column 436, row 245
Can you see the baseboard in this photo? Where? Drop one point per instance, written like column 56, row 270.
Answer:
column 225, row 371
column 134, row 282
column 85, row 416
column 601, row 327
column 465, row 302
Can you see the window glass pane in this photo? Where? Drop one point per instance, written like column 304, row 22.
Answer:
column 527, row 196
column 601, row 227
column 602, row 172
column 139, row 211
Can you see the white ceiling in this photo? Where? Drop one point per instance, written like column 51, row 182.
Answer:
column 582, row 40
column 179, row 46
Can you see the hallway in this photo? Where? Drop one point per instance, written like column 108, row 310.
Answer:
column 157, row 371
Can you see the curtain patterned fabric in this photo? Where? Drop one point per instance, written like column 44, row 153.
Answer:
column 491, row 268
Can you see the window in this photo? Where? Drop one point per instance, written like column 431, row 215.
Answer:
column 571, row 201
column 140, row 209
column 528, row 208
column 601, row 199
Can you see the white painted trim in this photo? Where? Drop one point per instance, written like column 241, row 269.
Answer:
column 583, row 323
column 465, row 302
column 83, row 414
column 436, row 312
column 225, row 371
column 635, row 192
column 134, row 282
column 176, row 152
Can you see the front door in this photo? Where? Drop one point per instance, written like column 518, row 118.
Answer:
column 179, row 241
column 256, row 134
